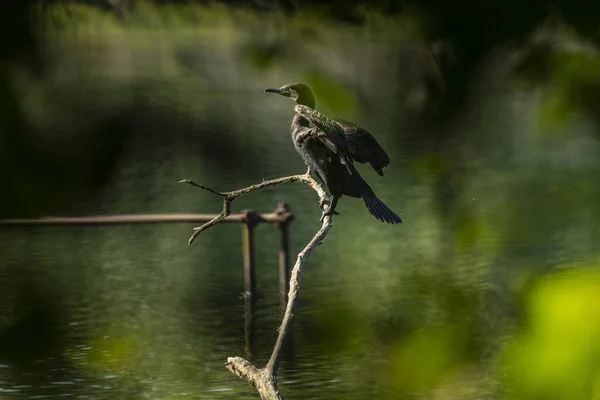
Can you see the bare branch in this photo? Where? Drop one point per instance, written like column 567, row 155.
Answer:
column 194, row 184
column 228, row 197
column 295, row 279
column 265, row 379
column 226, row 211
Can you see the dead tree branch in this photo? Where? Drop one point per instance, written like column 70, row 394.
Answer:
column 265, row 379
column 228, row 197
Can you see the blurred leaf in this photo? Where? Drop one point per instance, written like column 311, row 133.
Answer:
column 576, row 78
column 557, row 353
column 556, row 109
column 583, row 67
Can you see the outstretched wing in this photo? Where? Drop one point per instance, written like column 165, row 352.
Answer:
column 363, row 146
column 330, row 133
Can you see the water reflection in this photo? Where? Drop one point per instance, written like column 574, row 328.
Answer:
column 429, row 308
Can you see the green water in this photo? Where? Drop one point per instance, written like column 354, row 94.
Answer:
column 451, row 304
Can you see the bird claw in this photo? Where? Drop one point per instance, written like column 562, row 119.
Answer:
column 328, row 212
column 324, row 200
column 325, row 205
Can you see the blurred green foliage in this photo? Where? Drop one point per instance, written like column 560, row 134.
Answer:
column 459, row 302
column 555, row 353
column 575, row 87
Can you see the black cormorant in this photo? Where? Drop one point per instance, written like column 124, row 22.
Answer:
column 329, row 149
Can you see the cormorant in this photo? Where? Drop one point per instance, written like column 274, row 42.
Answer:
column 330, row 148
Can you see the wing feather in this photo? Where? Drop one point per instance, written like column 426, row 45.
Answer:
column 329, row 132
column 363, row 146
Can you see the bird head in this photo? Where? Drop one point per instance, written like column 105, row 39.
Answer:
column 298, row 92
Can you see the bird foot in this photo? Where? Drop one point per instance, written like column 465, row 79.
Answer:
column 324, row 200
column 325, row 205
column 327, row 212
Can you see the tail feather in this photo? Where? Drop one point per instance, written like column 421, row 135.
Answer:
column 376, row 207
column 379, row 210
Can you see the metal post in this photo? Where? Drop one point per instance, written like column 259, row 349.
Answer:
column 284, row 251
column 249, row 221
column 285, row 217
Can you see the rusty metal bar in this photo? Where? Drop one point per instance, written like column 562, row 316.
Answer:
column 281, row 217
column 284, row 268
column 250, row 220
column 284, row 250
column 272, row 218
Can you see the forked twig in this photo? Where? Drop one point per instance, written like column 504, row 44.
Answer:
column 228, row 197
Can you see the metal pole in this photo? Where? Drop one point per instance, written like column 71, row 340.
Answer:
column 132, row 219
column 284, row 251
column 249, row 221
column 284, row 271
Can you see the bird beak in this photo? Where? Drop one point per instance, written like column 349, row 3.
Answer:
column 278, row 91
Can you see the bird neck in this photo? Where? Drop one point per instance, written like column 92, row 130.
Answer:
column 305, row 97
column 299, row 121
column 308, row 101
